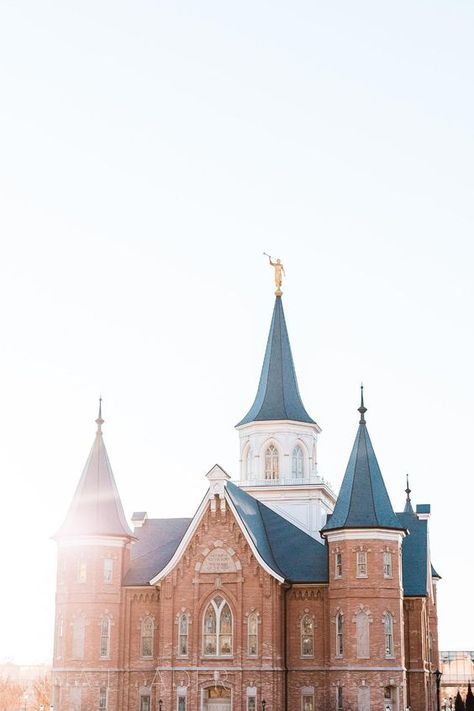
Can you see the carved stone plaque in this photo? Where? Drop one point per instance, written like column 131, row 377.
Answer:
column 218, row 561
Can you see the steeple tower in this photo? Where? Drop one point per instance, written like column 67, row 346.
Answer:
column 96, row 509
column 278, row 439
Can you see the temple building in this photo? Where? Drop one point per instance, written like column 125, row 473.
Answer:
column 275, row 596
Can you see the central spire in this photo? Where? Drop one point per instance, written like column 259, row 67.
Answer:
column 278, row 396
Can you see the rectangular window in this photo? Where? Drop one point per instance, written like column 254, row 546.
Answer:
column 339, row 706
column 81, row 571
column 105, row 638
column 102, row 698
column 108, row 570
column 75, row 698
column 387, row 564
column 338, row 570
column 361, row 564
column 307, row 703
column 145, row 703
column 181, row 703
column 251, row 703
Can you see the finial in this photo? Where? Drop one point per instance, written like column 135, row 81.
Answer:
column 99, row 420
column 279, row 273
column 362, row 409
column 408, row 491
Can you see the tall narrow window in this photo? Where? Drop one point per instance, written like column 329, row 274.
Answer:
column 181, row 701
column 361, row 564
column 60, row 638
column 297, row 463
column 387, row 564
column 75, row 698
column 272, row 469
column 183, row 635
column 307, row 702
column 252, row 635
column 78, row 635
column 388, row 634
column 338, row 565
column 147, row 629
column 105, row 637
column 108, row 570
column 103, row 698
column 307, row 636
column 81, row 571
column 363, row 698
column 339, row 701
column 251, row 703
column 145, row 702
column 217, row 628
column 339, row 635
column 362, row 635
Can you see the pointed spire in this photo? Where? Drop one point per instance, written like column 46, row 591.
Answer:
column 96, row 508
column 363, row 501
column 99, row 420
column 278, row 396
column 362, row 409
column 408, row 507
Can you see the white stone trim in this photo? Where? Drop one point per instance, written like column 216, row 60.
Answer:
column 364, row 534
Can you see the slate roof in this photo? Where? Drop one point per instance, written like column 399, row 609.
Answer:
column 415, row 555
column 157, row 541
column 284, row 547
column 96, row 508
column 278, row 396
column 363, row 501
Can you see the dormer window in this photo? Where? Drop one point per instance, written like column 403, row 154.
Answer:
column 297, row 463
column 272, row 468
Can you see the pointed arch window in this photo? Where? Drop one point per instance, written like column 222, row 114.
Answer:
column 105, row 627
column 183, row 635
column 217, row 621
column 252, row 635
column 339, row 635
column 272, row 464
column 147, row 632
column 78, row 637
column 297, row 463
column 307, row 636
column 362, row 635
column 388, row 634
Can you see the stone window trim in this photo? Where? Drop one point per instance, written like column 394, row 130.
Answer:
column 387, row 556
column 142, row 628
column 389, row 641
column 362, row 564
column 338, row 564
column 182, row 616
column 302, row 618
column 252, row 614
column 338, row 621
column 307, row 698
column 362, row 645
column 299, row 460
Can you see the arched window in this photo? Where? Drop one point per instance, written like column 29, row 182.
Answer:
column 362, row 635
column 147, row 629
column 339, row 635
column 183, row 635
column 307, row 636
column 217, row 628
column 105, row 637
column 297, row 463
column 249, row 464
column 388, row 634
column 272, row 469
column 60, row 638
column 78, row 636
column 252, row 635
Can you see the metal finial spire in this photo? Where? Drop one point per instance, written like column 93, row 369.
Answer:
column 408, row 491
column 99, row 420
column 362, row 409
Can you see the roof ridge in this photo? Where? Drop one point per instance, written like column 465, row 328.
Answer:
column 259, row 505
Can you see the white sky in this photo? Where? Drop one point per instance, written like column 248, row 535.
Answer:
column 149, row 153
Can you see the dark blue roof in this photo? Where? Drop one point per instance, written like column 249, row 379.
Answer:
column 157, row 541
column 278, row 396
column 363, row 501
column 415, row 555
column 285, row 548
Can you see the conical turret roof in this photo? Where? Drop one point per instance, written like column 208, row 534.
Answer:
column 278, row 396
column 363, row 501
column 96, row 508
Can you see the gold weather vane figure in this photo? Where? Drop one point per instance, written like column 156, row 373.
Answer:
column 279, row 273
